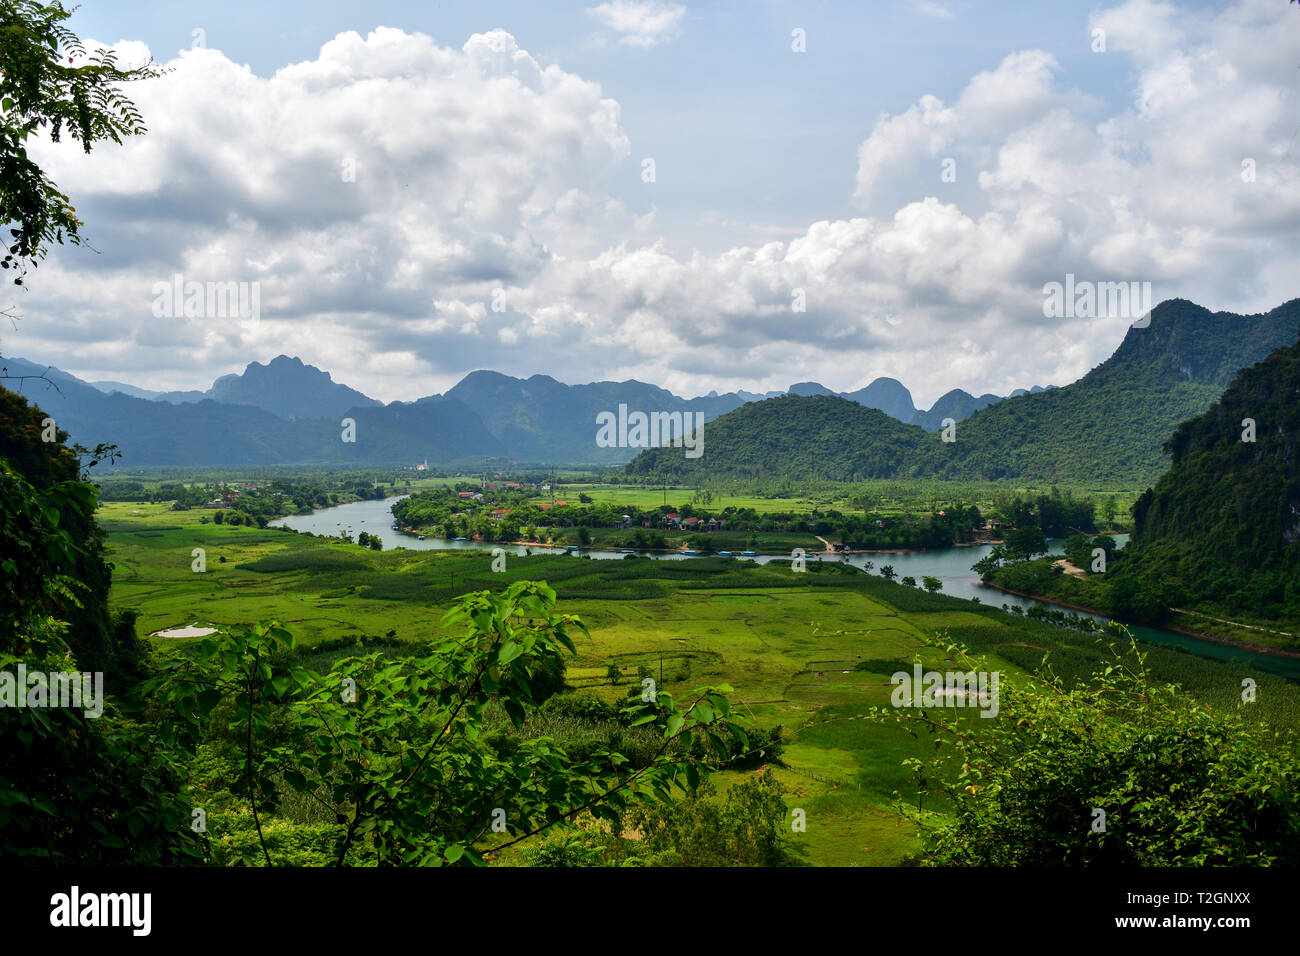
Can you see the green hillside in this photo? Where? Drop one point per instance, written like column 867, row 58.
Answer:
column 795, row 437
column 1114, row 421
column 1216, row 544
column 1222, row 526
column 1111, row 424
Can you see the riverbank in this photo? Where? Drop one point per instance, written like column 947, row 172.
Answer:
column 414, row 533
column 1178, row 629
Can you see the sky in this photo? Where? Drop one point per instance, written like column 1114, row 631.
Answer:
column 701, row 195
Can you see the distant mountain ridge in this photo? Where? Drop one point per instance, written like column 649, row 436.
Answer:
column 1112, row 422
column 290, row 389
column 285, row 387
column 538, row 420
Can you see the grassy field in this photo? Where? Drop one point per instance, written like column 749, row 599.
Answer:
column 883, row 497
column 805, row 651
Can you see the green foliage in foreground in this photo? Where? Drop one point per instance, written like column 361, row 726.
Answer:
column 749, row 825
column 1179, row 784
column 392, row 749
column 76, row 788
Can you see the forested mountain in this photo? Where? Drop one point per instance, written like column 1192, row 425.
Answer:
column 795, row 437
column 1110, row 425
column 957, row 405
column 1222, row 525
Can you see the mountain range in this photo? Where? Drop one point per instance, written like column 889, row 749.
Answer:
column 1112, row 422
column 287, row 412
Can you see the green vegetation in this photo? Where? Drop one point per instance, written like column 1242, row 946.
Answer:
column 1110, row 423
column 1216, row 545
column 392, row 750
column 818, row 437
column 1122, row 771
column 39, row 93
column 523, row 514
column 809, row 656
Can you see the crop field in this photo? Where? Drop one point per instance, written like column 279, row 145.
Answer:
column 808, row 652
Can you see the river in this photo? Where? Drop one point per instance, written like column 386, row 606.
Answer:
column 952, row 566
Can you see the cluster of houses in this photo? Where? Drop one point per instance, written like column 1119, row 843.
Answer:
column 674, row 520
column 230, row 496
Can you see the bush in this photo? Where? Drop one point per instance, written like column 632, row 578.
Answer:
column 1180, row 785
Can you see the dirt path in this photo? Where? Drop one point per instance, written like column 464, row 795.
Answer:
column 1070, row 568
column 1219, row 620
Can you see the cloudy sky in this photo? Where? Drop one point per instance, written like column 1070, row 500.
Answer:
column 643, row 189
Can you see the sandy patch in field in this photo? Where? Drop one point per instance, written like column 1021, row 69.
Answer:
column 189, row 630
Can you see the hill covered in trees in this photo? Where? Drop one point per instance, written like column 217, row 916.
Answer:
column 1110, row 425
column 1217, row 539
column 798, row 437
column 1114, row 421
column 1222, row 525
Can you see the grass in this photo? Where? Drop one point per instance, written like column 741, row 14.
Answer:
column 810, row 652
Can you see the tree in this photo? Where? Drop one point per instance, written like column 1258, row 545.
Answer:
column 931, row 583
column 43, row 88
column 1180, row 784
column 75, row 789
column 908, row 581
column 393, row 748
column 1024, row 543
column 888, row 572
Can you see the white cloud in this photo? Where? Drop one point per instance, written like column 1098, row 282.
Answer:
column 642, row 23
column 929, row 8
column 479, row 170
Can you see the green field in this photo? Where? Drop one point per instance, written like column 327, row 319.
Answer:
column 884, row 497
column 805, row 651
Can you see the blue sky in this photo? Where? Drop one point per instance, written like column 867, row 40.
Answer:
column 740, row 127
column 500, row 218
